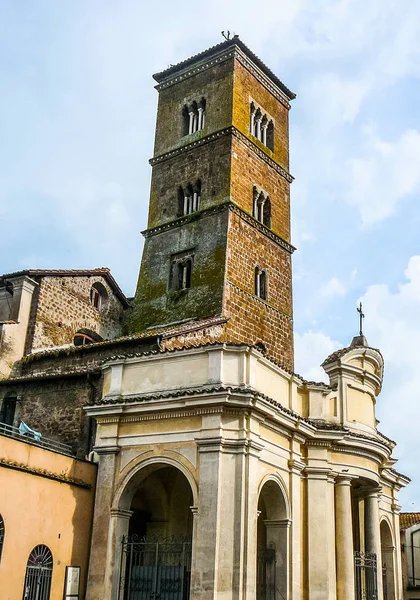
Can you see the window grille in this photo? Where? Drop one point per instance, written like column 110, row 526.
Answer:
column 38, row 576
column 2, row 534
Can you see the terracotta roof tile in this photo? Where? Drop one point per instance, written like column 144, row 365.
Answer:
column 409, row 519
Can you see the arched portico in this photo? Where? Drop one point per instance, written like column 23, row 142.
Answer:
column 272, row 541
column 388, row 560
column 151, row 531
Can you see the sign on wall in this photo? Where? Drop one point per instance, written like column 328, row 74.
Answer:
column 72, row 583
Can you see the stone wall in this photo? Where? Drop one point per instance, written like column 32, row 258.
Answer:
column 63, row 307
column 253, row 319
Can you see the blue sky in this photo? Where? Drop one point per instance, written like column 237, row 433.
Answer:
column 77, row 110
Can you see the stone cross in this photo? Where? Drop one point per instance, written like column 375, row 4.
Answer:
column 361, row 317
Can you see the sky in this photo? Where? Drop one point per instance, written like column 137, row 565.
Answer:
column 77, row 116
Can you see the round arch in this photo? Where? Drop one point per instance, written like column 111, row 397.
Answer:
column 139, row 471
column 388, row 558
column 278, row 481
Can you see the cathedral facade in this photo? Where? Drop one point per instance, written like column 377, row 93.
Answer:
column 221, row 473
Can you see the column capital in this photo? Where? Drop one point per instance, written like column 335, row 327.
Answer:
column 107, row 449
column 373, row 492
column 344, row 479
column 121, row 513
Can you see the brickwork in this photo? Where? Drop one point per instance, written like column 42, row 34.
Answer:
column 247, row 88
column 229, row 161
column 247, row 170
column 210, row 164
column 63, row 307
column 215, row 85
column 252, row 319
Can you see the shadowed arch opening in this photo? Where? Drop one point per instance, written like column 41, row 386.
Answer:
column 388, row 559
column 272, row 542
column 158, row 546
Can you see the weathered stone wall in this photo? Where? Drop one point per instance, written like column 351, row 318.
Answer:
column 155, row 304
column 253, row 319
column 248, row 88
column 63, row 307
column 215, row 85
column 209, row 163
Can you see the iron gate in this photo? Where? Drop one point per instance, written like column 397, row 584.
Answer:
column 38, row 574
column 266, row 573
column 366, row 576
column 155, row 568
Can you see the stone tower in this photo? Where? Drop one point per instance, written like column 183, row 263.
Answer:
column 218, row 236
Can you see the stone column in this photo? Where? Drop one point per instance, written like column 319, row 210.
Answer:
column 373, row 533
column 115, row 567
column 321, row 526
column 98, row 563
column 344, row 539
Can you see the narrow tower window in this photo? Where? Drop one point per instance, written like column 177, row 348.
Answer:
column 261, row 208
column 189, row 198
column 194, row 117
column 260, row 283
column 181, row 271
column 261, row 126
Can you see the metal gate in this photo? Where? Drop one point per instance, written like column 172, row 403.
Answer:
column 366, row 576
column 38, row 574
column 155, row 568
column 266, row 573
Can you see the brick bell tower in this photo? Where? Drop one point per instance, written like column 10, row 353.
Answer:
column 218, row 236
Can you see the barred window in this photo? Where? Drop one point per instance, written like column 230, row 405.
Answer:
column 38, row 576
column 2, row 534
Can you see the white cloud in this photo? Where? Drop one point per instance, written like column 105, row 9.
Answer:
column 385, row 176
column 311, row 349
column 333, row 287
column 393, row 325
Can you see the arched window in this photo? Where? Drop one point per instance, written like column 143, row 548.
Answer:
column 98, row 296
column 8, row 409
column 84, row 337
column 181, row 271
column 2, row 534
column 267, row 213
column 261, row 208
column 260, row 283
column 194, row 117
column 38, row 576
column 261, row 126
column 189, row 198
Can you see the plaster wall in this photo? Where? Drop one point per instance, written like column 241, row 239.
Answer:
column 40, row 510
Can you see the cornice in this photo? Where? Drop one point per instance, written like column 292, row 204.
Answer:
column 9, row 464
column 228, row 205
column 231, row 52
column 215, row 136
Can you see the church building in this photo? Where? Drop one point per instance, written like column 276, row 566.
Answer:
column 221, row 473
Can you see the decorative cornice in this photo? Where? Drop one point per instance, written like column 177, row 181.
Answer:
column 10, row 464
column 186, row 70
column 229, row 205
column 217, row 135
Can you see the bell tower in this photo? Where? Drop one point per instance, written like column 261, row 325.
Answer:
column 218, row 235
